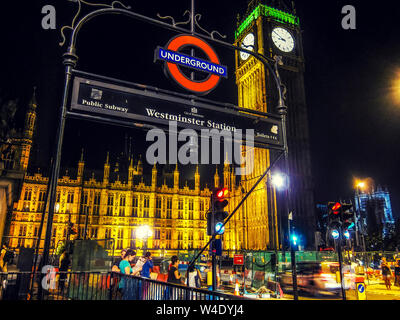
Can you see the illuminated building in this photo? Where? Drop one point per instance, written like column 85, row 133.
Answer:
column 272, row 28
column 14, row 158
column 375, row 210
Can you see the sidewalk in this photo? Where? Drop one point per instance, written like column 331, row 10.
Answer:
column 378, row 287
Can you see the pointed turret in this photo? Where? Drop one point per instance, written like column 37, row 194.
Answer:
column 233, row 179
column 29, row 127
column 30, row 117
column 139, row 168
column 106, row 175
column 197, row 179
column 176, row 178
column 81, row 165
column 154, row 177
column 227, row 172
column 131, row 173
column 216, row 178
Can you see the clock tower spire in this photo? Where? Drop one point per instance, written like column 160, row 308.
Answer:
column 273, row 29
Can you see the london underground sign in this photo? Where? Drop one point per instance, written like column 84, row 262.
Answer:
column 174, row 59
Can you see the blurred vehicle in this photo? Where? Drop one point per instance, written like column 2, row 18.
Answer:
column 315, row 278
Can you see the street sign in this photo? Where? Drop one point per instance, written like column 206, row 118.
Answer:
column 360, row 290
column 173, row 59
column 238, row 260
column 141, row 104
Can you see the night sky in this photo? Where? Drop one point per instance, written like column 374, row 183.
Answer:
column 353, row 118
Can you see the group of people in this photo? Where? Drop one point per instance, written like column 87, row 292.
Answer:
column 175, row 277
column 125, row 264
column 387, row 273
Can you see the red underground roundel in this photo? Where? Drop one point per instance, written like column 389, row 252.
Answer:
column 174, row 60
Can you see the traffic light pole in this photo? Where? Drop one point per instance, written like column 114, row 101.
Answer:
column 214, row 268
column 339, row 251
column 293, row 260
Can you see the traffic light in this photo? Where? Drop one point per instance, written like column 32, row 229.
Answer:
column 334, row 219
column 341, row 219
column 294, row 240
column 335, row 234
column 217, row 216
column 347, row 216
column 334, row 213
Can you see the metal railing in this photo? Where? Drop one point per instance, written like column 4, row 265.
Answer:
column 97, row 286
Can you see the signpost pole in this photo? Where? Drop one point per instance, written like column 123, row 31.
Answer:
column 282, row 109
column 70, row 60
column 339, row 250
column 214, row 266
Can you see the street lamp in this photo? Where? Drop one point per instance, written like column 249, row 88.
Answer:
column 281, row 182
column 359, row 186
column 144, row 233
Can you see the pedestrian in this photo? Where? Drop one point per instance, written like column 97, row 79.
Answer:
column 145, row 273
column 127, row 286
column 386, row 273
column 174, row 277
column 63, row 267
column 147, row 265
column 397, row 273
column 173, row 274
column 115, row 266
column 125, row 264
column 194, row 277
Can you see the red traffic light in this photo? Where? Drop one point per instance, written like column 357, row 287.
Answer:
column 222, row 193
column 335, row 208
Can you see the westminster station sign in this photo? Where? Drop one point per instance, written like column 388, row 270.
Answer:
column 94, row 94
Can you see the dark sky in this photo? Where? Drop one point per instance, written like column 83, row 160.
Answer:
column 354, row 123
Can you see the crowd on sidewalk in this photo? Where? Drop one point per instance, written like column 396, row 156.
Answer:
column 143, row 267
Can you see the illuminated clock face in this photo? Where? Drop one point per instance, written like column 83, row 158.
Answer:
column 248, row 44
column 283, row 40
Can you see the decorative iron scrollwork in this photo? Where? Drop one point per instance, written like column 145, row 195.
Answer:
column 211, row 34
column 113, row 5
column 196, row 19
column 173, row 20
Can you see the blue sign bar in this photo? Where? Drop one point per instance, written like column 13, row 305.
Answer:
column 191, row 62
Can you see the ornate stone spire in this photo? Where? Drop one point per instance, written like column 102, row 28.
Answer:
column 81, row 165
column 216, row 178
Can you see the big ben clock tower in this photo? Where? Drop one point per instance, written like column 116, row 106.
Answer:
column 272, row 28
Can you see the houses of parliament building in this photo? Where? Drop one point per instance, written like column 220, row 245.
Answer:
column 115, row 209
